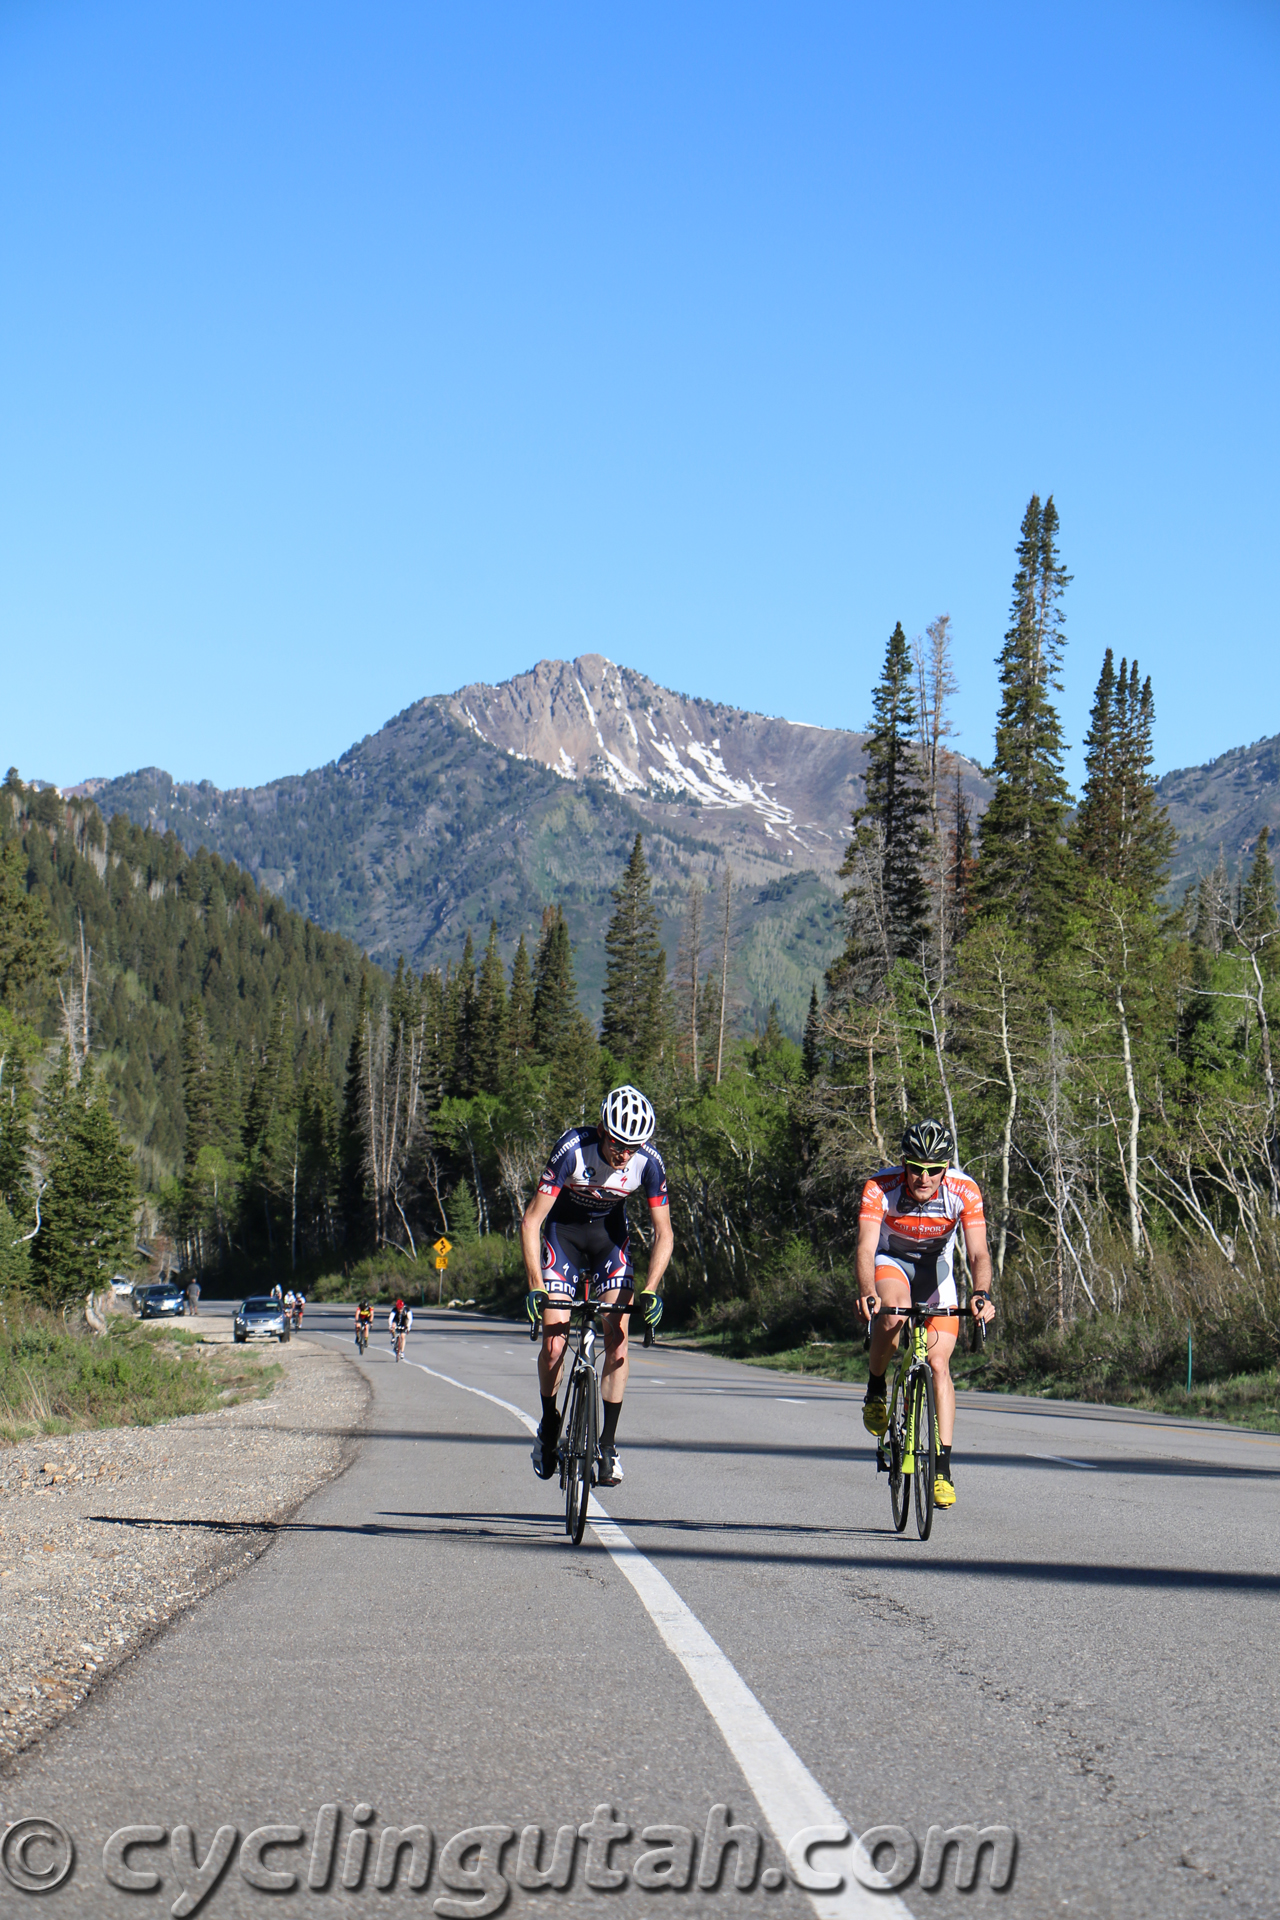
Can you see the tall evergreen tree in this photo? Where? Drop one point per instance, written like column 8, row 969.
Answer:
column 460, row 1022
column 1259, row 919
column 812, row 1049
column 562, row 1037
column 635, row 969
column 488, row 1052
column 87, row 1208
column 555, row 990
column 520, row 1008
column 888, row 895
column 1023, row 869
column 1121, row 832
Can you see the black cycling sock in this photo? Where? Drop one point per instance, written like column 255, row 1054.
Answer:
column 944, row 1462
column 609, row 1432
column 550, row 1418
column 875, row 1385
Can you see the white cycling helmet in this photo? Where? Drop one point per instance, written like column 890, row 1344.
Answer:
column 627, row 1117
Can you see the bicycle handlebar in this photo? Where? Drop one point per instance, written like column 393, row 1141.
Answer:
column 917, row 1314
column 593, row 1307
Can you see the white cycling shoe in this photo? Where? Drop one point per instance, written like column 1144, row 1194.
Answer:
column 608, row 1468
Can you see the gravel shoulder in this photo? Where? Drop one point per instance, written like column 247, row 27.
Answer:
column 106, row 1535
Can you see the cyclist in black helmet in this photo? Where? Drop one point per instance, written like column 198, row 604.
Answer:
column 907, row 1228
column 575, row 1237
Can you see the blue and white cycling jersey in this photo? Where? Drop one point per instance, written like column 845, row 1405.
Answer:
column 588, row 1188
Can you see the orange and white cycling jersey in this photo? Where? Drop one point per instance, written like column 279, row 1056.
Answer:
column 918, row 1237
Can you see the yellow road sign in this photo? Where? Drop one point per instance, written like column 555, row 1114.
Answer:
column 443, row 1246
column 442, row 1261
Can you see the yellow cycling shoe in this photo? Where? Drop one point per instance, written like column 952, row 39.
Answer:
column 944, row 1494
column 875, row 1414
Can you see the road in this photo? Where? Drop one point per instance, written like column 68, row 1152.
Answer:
column 1084, row 1652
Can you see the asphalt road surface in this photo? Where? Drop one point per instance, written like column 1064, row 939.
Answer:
column 1084, row 1653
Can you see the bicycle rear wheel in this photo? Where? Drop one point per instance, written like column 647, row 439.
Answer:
column 926, row 1450
column 899, row 1493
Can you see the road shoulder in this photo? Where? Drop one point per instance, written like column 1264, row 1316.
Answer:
column 105, row 1536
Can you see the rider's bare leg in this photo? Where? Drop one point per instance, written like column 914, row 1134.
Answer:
column 942, row 1340
column 551, row 1352
column 893, row 1291
column 617, row 1364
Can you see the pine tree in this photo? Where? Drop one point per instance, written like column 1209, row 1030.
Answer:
column 353, row 1208
column 28, row 946
column 635, row 969
column 1121, row 832
column 489, row 1045
column 460, row 1022
column 888, row 895
column 562, row 1037
column 1023, row 870
column 811, row 1052
column 520, row 1008
column 87, row 1208
column 19, row 1047
column 1259, row 919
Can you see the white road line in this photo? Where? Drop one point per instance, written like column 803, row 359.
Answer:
column 1061, row 1460
column 803, row 1818
column 784, row 1400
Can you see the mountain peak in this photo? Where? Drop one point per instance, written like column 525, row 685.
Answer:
column 591, row 718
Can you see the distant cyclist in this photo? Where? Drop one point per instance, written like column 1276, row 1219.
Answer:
column 575, row 1237
column 400, row 1322
column 907, row 1228
column 364, row 1324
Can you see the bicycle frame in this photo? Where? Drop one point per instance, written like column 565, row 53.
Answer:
column 911, row 1354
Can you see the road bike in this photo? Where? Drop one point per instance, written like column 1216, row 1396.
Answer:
column 362, row 1336
column 908, row 1448
column 580, row 1414
column 397, row 1344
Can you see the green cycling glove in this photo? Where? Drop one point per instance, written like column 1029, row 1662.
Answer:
column 535, row 1305
column 652, row 1304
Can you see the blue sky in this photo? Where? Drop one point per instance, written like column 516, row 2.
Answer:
column 352, row 353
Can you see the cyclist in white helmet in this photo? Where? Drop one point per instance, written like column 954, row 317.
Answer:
column 575, row 1238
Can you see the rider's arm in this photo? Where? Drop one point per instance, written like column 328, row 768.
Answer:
column 664, row 1244
column 531, row 1235
column 979, row 1258
column 870, row 1215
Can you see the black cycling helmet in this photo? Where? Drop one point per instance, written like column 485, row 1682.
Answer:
column 627, row 1117
column 927, row 1143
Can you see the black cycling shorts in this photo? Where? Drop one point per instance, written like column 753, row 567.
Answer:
column 590, row 1252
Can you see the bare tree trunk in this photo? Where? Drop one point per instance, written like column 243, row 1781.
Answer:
column 1269, row 1080
column 1130, row 1159
column 1006, row 1138
column 75, row 1006
column 293, row 1207
column 693, row 959
column 724, row 968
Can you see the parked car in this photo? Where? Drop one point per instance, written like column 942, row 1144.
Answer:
column 122, row 1285
column 261, row 1317
column 161, row 1303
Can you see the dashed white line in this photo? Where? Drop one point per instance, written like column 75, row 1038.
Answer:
column 1061, row 1460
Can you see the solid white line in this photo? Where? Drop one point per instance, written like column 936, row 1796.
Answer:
column 786, row 1792
column 1061, row 1460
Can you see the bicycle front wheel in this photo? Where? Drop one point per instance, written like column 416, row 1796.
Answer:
column 579, row 1452
column 926, row 1449
column 899, row 1492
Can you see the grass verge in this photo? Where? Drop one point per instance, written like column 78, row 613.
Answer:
column 56, row 1381
column 1059, row 1367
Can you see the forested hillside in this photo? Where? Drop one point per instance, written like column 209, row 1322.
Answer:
column 1107, row 1072
column 426, row 831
